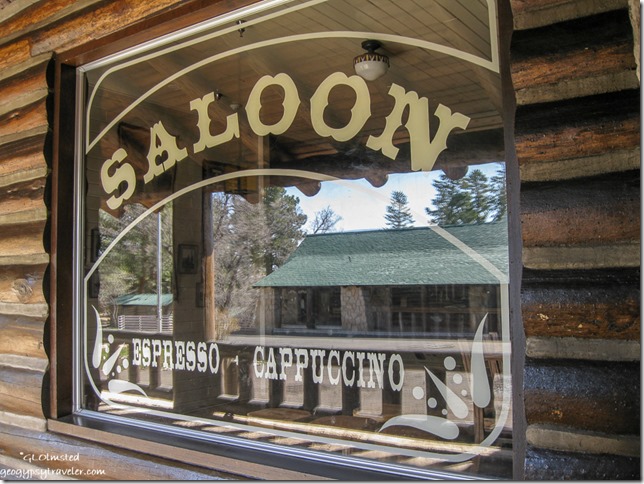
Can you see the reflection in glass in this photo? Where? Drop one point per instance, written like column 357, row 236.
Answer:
column 262, row 274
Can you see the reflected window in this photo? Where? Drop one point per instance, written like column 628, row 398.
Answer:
column 277, row 248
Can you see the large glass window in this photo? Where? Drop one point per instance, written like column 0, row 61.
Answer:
column 282, row 246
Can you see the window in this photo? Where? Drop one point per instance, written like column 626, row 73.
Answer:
column 277, row 249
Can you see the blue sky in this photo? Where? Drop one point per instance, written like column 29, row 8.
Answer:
column 362, row 207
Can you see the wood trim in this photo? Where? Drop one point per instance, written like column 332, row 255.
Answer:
column 163, row 23
column 517, row 335
column 243, row 469
column 61, row 265
column 250, row 460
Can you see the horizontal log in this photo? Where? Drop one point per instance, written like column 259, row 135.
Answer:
column 529, row 14
column 24, row 362
column 579, row 128
column 574, row 59
column 10, row 9
column 22, row 336
column 23, row 120
column 608, row 162
column 588, row 395
column 578, row 87
column 24, row 217
column 617, row 255
column 39, row 424
column 25, row 259
column 21, row 241
column 603, row 40
column 115, row 464
column 43, row 13
column 39, row 131
column 583, row 348
column 28, row 195
column 23, row 89
column 595, row 224
column 552, row 465
column 20, row 391
column 598, row 210
column 22, row 161
column 22, row 284
column 582, row 312
column 94, row 24
column 599, row 58
column 28, row 310
column 14, row 53
column 17, row 69
column 563, row 279
column 554, row 438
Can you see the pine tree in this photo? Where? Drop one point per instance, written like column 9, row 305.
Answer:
column 284, row 219
column 499, row 197
column 453, row 204
column 480, row 190
column 472, row 199
column 398, row 215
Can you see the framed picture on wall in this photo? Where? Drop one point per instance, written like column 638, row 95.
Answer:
column 187, row 259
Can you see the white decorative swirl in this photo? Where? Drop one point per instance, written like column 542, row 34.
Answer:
column 120, row 386
column 114, row 386
column 427, row 423
column 453, row 401
column 480, row 382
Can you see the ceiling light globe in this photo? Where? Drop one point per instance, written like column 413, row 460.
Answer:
column 371, row 68
column 370, row 65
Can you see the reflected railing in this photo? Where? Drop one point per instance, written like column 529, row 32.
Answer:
column 237, row 394
column 145, row 323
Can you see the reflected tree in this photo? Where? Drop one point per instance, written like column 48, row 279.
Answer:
column 284, row 220
column 250, row 240
column 324, row 221
column 499, row 194
column 398, row 214
column 472, row 199
column 131, row 268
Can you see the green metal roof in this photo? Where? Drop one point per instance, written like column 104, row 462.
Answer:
column 463, row 254
column 143, row 300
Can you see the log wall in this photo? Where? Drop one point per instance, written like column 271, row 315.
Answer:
column 576, row 78
column 578, row 146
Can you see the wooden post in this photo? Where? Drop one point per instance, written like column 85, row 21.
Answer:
column 209, row 272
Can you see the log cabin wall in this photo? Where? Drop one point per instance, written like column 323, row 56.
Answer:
column 578, row 144
column 575, row 73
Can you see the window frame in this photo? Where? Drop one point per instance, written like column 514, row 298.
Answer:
column 260, row 460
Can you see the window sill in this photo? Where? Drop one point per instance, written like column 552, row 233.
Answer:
column 240, row 457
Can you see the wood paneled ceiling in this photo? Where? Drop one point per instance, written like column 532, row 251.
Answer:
column 456, row 83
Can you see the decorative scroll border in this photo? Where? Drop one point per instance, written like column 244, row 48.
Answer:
column 118, row 386
column 491, row 64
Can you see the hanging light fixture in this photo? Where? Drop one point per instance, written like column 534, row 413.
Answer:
column 370, row 65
